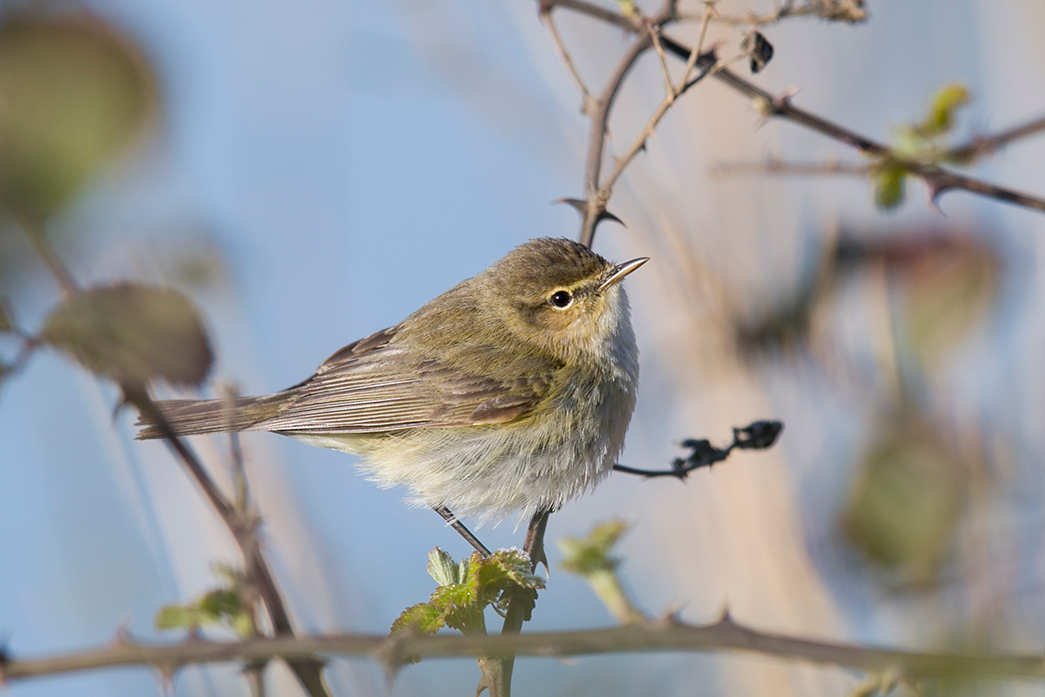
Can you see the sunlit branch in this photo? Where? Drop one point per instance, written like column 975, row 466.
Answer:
column 668, row 634
column 938, row 180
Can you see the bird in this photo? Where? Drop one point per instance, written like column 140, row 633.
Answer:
column 506, row 396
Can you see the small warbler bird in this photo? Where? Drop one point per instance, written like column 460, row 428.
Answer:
column 507, row 395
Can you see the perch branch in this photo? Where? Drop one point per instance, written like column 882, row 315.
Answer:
column 668, row 634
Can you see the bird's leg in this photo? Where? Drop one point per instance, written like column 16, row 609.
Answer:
column 534, row 545
column 463, row 531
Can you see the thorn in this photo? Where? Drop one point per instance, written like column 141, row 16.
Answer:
column 936, row 189
column 606, row 215
column 389, row 655
column 122, row 636
column 724, row 618
column 541, row 559
column 784, row 100
column 577, row 204
column 670, row 618
column 166, row 673
column 122, row 403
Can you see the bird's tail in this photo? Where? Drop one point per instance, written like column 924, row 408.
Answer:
column 191, row 417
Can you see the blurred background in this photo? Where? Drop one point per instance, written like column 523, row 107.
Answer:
column 309, row 173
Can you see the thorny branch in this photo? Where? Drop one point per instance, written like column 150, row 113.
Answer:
column 980, row 146
column 667, row 634
column 241, row 524
column 564, row 55
column 757, row 436
column 968, row 153
column 851, row 11
column 775, row 165
column 497, row 670
column 938, row 179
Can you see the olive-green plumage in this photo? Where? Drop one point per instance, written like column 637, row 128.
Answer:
column 509, row 393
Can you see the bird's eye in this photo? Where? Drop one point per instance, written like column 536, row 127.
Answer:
column 561, row 299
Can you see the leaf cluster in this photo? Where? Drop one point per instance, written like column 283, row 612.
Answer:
column 226, row 606
column 467, row 588
column 132, row 334
column 591, row 554
column 922, row 143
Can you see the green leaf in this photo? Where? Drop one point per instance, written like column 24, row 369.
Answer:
column 76, row 93
column 889, row 187
column 627, row 8
column 584, row 556
column 424, row 617
column 220, row 604
column 467, row 588
column 133, row 334
column 943, row 109
column 443, row 568
column 177, row 617
column 224, row 606
column 950, row 289
column 906, row 499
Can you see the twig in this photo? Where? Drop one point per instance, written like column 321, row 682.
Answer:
column 239, row 472
column 938, row 180
column 639, row 144
column 29, row 345
column 242, row 527
column 36, row 231
column 757, row 436
column 978, row 147
column 777, row 166
column 597, row 140
column 308, row 669
column 666, row 634
column 564, row 55
column 593, row 208
column 497, row 671
column 669, row 84
column 850, row 11
column 709, row 10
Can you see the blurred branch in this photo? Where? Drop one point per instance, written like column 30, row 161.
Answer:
column 590, row 558
column 938, row 180
column 850, row 11
column 29, row 343
column 497, row 671
column 667, row 634
column 985, row 145
column 564, row 55
column 757, row 436
column 242, row 524
column 36, row 231
column 777, row 166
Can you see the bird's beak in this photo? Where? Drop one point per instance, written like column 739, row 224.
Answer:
column 619, row 271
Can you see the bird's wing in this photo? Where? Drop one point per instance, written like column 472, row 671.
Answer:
column 377, row 385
